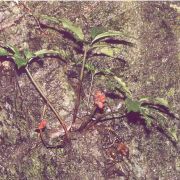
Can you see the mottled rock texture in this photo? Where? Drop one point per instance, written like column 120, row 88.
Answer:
column 153, row 70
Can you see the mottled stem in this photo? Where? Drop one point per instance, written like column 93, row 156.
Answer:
column 78, row 100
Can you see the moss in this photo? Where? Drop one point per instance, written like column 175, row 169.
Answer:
column 51, row 171
column 33, row 167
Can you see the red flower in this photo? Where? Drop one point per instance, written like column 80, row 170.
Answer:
column 42, row 124
column 123, row 149
column 99, row 99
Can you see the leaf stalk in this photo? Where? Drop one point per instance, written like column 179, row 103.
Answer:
column 86, row 49
column 48, row 102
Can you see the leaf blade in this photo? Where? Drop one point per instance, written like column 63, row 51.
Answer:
column 132, row 105
column 96, row 31
column 3, row 52
column 107, row 34
column 41, row 53
column 162, row 101
column 28, row 54
column 75, row 29
column 173, row 132
column 19, row 61
column 145, row 113
column 123, row 86
column 67, row 24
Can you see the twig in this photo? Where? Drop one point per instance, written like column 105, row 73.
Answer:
column 99, row 119
column 86, row 122
column 107, row 119
column 77, row 104
column 48, row 102
column 43, row 113
column 29, row 11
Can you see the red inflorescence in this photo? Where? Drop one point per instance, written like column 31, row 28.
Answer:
column 42, row 124
column 99, row 99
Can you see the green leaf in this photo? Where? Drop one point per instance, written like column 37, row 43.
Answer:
column 107, row 34
column 123, row 86
column 41, row 53
column 161, row 101
column 106, row 51
column 90, row 67
column 173, row 133
column 19, row 61
column 144, row 99
column 107, row 71
column 132, row 105
column 28, row 54
column 145, row 111
column 146, row 114
column 76, row 30
column 50, row 18
column 14, row 50
column 162, row 119
column 148, row 121
column 3, row 52
column 171, row 92
column 96, row 31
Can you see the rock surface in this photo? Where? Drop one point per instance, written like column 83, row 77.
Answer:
column 153, row 70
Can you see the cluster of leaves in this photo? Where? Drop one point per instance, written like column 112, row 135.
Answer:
column 23, row 58
column 97, row 45
column 154, row 112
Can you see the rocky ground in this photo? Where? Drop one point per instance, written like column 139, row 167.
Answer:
column 152, row 69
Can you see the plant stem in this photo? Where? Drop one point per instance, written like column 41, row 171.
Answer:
column 43, row 112
column 85, row 123
column 99, row 119
column 80, row 86
column 48, row 102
